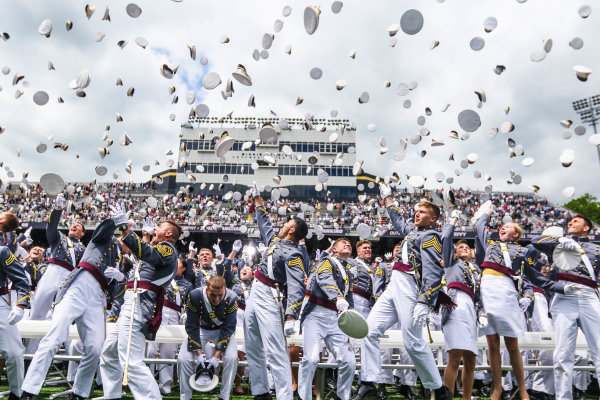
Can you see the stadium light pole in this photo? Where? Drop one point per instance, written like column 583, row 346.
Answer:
column 589, row 112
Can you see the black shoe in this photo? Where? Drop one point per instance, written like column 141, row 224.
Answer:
column 330, row 382
column 443, row 393
column 73, row 396
column 578, row 394
column 264, row 396
column 27, row 396
column 13, row 396
column 365, row 390
column 407, row 392
column 506, row 395
column 381, row 392
column 536, row 395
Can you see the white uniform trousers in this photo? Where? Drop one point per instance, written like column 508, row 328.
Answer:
column 265, row 342
column 241, row 322
column 140, row 380
column 164, row 350
column 83, row 303
column 321, row 324
column 186, row 363
column 43, row 297
column 11, row 349
column 111, row 372
column 397, row 304
column 542, row 381
column 568, row 313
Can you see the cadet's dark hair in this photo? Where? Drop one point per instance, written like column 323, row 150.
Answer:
column 301, row 229
column 175, row 228
column 11, row 222
column 588, row 222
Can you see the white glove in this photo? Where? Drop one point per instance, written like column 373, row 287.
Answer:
column 567, row 243
column 192, row 246
column 254, row 190
column 524, row 303
column 384, row 190
column 341, row 305
column 571, row 288
column 113, row 273
column 60, row 201
column 148, row 225
column 15, row 315
column 543, row 259
column 455, row 214
column 378, row 260
column 119, row 214
column 27, row 233
column 482, row 321
column 421, row 314
column 201, row 360
column 237, row 245
column 289, row 328
column 261, row 247
column 388, row 256
column 217, row 250
column 213, row 362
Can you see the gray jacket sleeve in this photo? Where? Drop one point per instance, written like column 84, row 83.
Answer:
column 326, row 281
column 264, row 225
column 52, row 234
column 398, row 220
column 481, row 238
column 192, row 323
column 447, row 245
column 295, row 271
column 532, row 269
column 161, row 255
column 12, row 268
column 229, row 322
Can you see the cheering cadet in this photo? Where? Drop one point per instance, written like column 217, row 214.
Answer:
column 211, row 317
column 580, row 309
column 65, row 254
column 81, row 299
column 505, row 263
column 460, row 326
column 412, row 293
column 279, row 280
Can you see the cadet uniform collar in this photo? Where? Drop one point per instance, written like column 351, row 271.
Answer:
column 425, row 228
column 580, row 238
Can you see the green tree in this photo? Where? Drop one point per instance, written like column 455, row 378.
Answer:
column 586, row 205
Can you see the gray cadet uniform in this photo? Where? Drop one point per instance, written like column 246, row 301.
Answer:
column 499, row 285
column 157, row 269
column 65, row 254
column 85, row 282
column 174, row 305
column 11, row 347
column 421, row 251
column 199, row 276
column 572, row 311
column 362, row 289
column 265, row 340
column 319, row 323
column 462, row 280
column 206, row 323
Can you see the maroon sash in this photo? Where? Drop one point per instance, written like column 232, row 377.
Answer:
column 463, row 287
column 577, row 279
column 61, row 263
column 96, row 273
column 361, row 293
column 154, row 321
column 322, row 302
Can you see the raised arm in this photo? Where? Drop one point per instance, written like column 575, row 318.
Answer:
column 447, row 245
column 394, row 213
column 161, row 255
column 481, row 238
column 52, row 233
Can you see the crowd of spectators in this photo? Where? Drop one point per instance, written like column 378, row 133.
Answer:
column 90, row 203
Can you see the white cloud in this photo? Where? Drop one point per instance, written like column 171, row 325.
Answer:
column 539, row 94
